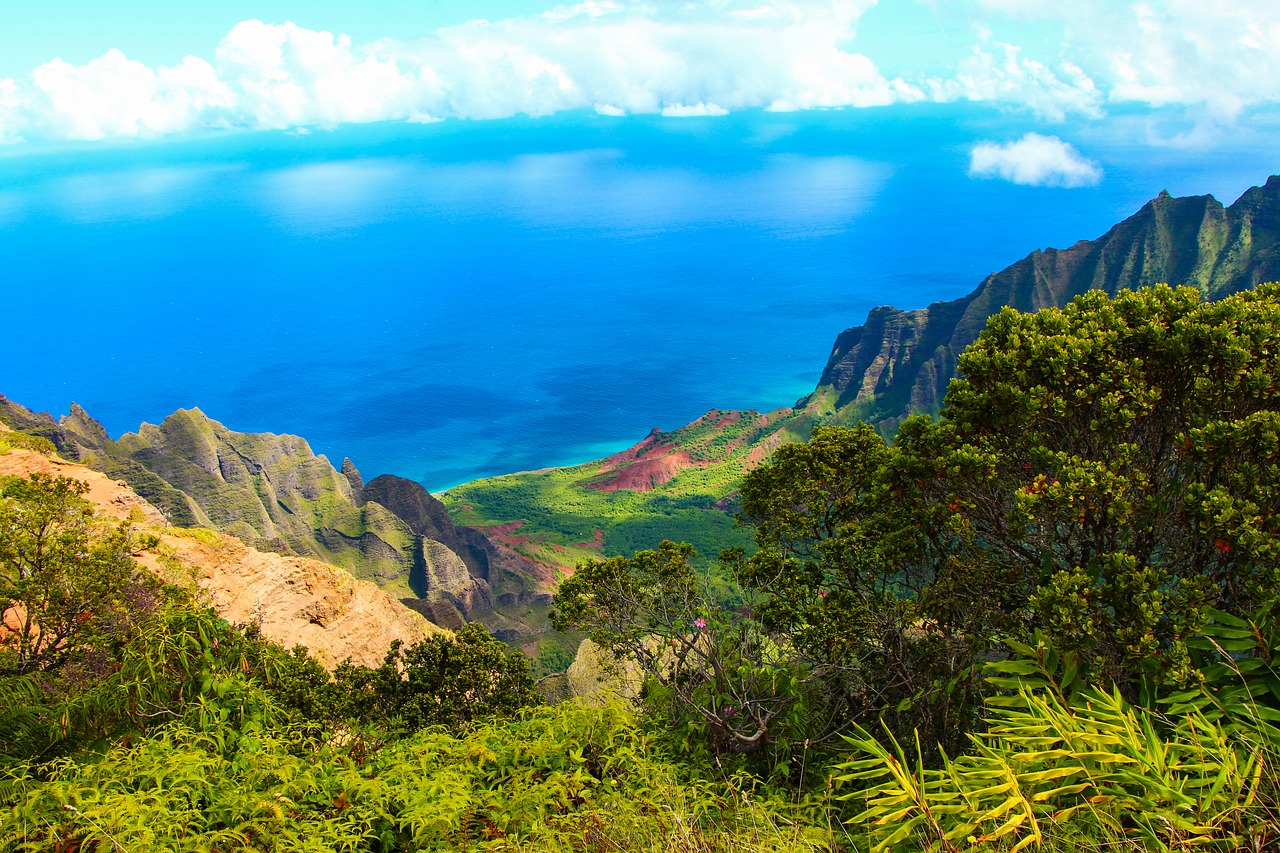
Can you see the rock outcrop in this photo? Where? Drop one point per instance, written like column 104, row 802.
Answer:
column 294, row 600
column 900, row 362
column 272, row 492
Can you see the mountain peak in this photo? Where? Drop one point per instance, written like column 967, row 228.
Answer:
column 352, row 473
column 900, row 362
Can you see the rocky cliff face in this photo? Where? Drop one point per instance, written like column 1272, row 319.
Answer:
column 901, row 361
column 272, row 492
column 294, row 600
column 462, row 573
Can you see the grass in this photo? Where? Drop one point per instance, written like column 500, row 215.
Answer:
column 565, row 516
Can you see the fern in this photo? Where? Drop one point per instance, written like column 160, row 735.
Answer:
column 1053, row 756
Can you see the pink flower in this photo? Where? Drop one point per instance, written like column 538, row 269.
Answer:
column 699, row 623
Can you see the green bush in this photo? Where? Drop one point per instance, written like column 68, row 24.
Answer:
column 563, row 779
column 10, row 439
column 1062, row 760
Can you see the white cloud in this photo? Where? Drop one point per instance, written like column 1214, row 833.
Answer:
column 614, row 57
column 1000, row 73
column 1214, row 57
column 115, row 96
column 1211, row 58
column 1034, row 160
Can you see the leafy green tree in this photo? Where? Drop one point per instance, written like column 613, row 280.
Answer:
column 715, row 678
column 1112, row 468
column 444, row 680
column 67, row 587
column 468, row 676
column 843, row 570
column 1101, row 472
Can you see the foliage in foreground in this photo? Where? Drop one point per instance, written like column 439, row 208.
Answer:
column 1102, row 473
column 563, row 779
column 161, row 727
column 1105, row 474
column 1061, row 758
column 68, row 586
column 716, row 683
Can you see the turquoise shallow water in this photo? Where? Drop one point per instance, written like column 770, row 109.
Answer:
column 466, row 299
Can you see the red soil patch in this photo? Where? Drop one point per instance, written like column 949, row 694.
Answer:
column 648, row 474
column 502, row 533
column 642, row 467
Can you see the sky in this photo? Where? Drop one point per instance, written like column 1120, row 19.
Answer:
column 74, row 70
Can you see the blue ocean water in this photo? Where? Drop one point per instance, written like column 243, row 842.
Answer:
column 459, row 300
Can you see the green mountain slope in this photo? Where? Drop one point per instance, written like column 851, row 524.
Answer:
column 677, row 485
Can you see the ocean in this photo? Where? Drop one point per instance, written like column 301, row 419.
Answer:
column 463, row 299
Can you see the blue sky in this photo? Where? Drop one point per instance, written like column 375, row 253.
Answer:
column 78, row 70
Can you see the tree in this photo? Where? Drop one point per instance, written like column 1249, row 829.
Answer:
column 843, row 568
column 67, row 587
column 469, row 676
column 1115, row 464
column 1101, row 472
column 716, row 678
column 443, row 680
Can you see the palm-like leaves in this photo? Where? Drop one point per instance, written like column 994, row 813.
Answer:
column 1200, row 774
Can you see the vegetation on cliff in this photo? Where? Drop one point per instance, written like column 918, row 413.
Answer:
column 1097, row 510
column 900, row 362
column 275, row 495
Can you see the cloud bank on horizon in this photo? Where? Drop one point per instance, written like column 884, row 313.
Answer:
column 623, row 57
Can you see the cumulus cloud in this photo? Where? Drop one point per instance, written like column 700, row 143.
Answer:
column 622, row 57
column 1001, row 73
column 1034, row 160
column 617, row 58
column 1217, row 58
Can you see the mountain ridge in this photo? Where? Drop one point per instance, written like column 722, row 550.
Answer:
column 273, row 493
column 899, row 362
column 292, row 600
